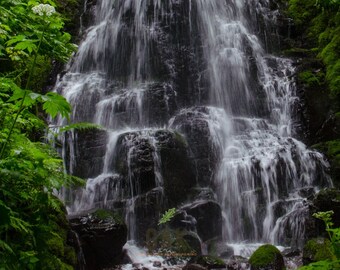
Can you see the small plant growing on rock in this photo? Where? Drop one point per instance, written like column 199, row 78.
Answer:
column 167, row 216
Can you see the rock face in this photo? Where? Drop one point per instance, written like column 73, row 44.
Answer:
column 85, row 152
column 205, row 217
column 101, row 239
column 197, row 116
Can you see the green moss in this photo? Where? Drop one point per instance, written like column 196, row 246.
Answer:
column 317, row 250
column 105, row 214
column 56, row 245
column 266, row 256
column 70, row 255
column 208, row 261
column 319, row 26
column 180, row 138
column 170, row 243
column 311, row 78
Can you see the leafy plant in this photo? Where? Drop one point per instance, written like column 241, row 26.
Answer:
column 167, row 216
column 334, row 236
column 32, row 220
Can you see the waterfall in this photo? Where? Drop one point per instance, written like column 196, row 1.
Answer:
column 190, row 100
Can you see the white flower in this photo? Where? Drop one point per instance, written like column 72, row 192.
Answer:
column 43, row 9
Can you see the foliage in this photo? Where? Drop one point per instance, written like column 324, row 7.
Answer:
column 167, row 216
column 333, row 233
column 32, row 220
column 332, row 151
column 327, row 261
column 319, row 23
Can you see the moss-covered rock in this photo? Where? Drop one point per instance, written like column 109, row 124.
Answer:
column 170, row 244
column 317, row 250
column 332, row 150
column 207, row 261
column 328, row 200
column 267, row 257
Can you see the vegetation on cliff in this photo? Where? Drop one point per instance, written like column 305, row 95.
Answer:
column 33, row 227
column 316, row 37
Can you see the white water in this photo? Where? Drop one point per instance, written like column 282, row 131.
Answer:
column 261, row 168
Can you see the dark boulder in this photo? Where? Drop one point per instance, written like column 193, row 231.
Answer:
column 194, row 266
column 329, row 200
column 134, row 160
column 207, row 261
column 194, row 124
column 102, row 236
column 237, row 263
column 155, row 159
column 177, row 172
column 205, row 217
column 318, row 249
column 87, row 148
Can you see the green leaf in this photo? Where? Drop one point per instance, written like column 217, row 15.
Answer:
column 55, row 104
column 167, row 216
column 4, row 214
column 15, row 39
column 26, row 45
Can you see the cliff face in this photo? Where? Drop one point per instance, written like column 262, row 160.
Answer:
column 311, row 37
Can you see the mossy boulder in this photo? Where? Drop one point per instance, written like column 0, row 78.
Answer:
column 170, row 244
column 332, row 151
column 327, row 200
column 207, row 261
column 267, row 257
column 318, row 249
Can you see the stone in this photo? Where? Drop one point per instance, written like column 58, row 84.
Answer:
column 203, row 216
column 317, row 249
column 207, row 261
column 88, row 147
column 237, row 263
column 267, row 257
column 194, row 266
column 193, row 123
column 102, row 235
column 157, row 264
column 328, row 200
column 177, row 172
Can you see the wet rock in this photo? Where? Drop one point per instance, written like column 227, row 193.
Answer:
column 329, row 200
column 88, row 147
column 209, row 219
column 178, row 176
column 194, row 266
column 194, row 124
column 319, row 249
column 144, row 218
column 157, row 264
column 102, row 236
column 237, row 263
column 267, row 257
column 135, row 162
column 207, row 261
column 150, row 159
column 220, row 248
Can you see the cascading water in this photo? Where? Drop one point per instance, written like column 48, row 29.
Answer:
column 189, row 81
